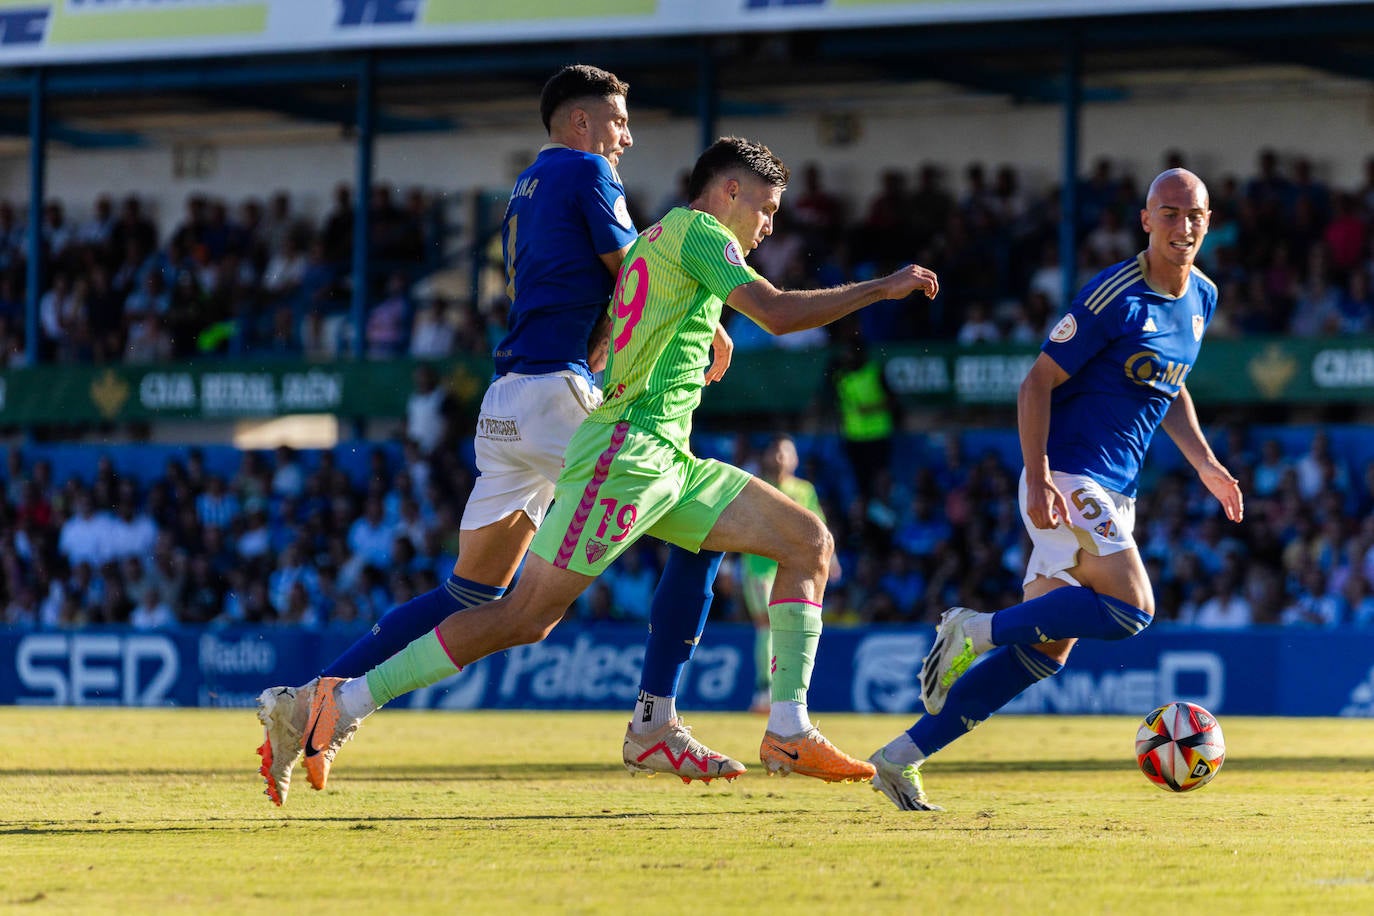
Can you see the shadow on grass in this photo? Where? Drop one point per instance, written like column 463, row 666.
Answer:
column 203, row 825
column 400, row 771
column 503, row 770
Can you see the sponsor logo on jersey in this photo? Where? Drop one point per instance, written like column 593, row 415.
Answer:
column 1198, row 327
column 506, row 429
column 653, row 232
column 1149, row 368
column 733, row 254
column 1064, row 330
column 595, row 551
column 1149, row 325
column 622, row 213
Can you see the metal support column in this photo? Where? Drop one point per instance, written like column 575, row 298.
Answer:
column 38, row 160
column 362, row 210
column 1068, row 194
column 708, row 99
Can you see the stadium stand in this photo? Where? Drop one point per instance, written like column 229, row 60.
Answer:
column 333, row 538
column 1290, row 255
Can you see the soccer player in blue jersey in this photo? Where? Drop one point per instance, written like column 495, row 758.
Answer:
column 1112, row 372
column 565, row 233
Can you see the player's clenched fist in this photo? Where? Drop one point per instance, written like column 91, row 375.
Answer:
column 911, row 278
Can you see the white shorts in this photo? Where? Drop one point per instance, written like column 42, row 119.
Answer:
column 1101, row 521
column 523, row 428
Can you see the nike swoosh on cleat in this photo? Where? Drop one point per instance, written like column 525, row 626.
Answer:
column 795, row 755
column 310, row 749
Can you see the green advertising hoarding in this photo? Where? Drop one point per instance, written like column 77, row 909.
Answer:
column 223, row 390
column 1252, row 371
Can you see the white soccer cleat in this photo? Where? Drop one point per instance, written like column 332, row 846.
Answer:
column 901, row 783
column 282, row 712
column 672, row 749
column 949, row 657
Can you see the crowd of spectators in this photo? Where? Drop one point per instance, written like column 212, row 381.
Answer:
column 257, row 279
column 292, row 538
column 1290, row 254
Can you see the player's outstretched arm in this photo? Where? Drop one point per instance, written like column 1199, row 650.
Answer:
column 779, row 312
column 1180, row 422
column 1045, row 505
column 722, row 350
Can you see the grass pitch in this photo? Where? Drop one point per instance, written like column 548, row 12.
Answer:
column 156, row 810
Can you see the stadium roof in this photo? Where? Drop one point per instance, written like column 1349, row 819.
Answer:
column 1199, row 53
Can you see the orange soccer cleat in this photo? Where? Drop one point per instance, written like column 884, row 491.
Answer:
column 325, row 731
column 807, row 753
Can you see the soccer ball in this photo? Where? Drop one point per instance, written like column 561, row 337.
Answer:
column 1179, row 747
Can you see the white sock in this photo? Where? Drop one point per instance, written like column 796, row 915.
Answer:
column 979, row 629
column 903, row 750
column 355, row 700
column 652, row 713
column 787, row 718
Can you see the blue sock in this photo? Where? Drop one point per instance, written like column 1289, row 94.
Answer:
column 1067, row 613
column 997, row 679
column 407, row 622
column 677, row 617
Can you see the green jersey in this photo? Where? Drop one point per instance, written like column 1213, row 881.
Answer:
column 801, row 492
column 664, row 312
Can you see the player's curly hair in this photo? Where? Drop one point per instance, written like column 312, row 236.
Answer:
column 578, row 81
column 729, row 153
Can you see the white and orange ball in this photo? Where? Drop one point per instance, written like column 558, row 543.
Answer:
column 1179, row 747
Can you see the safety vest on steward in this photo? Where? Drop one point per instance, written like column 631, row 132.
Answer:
column 864, row 415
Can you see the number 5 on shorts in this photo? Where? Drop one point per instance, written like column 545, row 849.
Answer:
column 1086, row 504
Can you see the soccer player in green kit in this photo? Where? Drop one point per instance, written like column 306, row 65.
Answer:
column 629, row 470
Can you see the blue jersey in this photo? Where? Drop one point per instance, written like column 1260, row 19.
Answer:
column 1127, row 349
column 567, row 208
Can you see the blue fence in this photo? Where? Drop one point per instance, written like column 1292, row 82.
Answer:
column 1257, row 672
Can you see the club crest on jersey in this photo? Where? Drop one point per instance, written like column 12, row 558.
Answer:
column 733, row 254
column 595, row 551
column 1197, row 327
column 1107, row 529
column 622, row 213
column 1064, row 330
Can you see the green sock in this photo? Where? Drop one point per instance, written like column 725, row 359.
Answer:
column 425, row 661
column 796, row 627
column 763, row 658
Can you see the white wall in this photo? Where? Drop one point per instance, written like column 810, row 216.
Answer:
column 1220, row 137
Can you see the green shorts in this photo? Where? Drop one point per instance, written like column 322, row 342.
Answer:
column 620, row 483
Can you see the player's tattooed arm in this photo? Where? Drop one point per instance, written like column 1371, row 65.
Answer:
column 599, row 343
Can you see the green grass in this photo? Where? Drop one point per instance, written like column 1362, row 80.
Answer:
column 144, row 811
